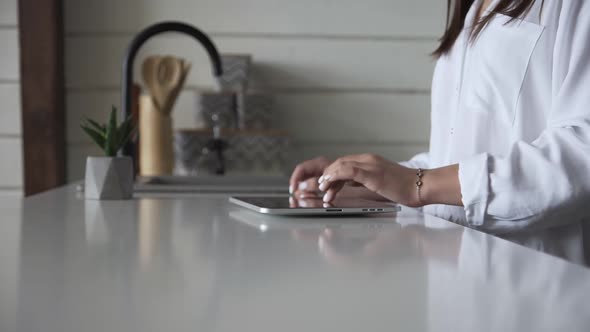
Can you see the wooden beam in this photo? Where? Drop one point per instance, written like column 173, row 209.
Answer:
column 42, row 93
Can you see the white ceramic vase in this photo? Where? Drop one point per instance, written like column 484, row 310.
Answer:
column 109, row 178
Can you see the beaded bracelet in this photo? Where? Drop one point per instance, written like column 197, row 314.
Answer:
column 419, row 183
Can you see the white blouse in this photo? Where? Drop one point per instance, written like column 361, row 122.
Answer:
column 513, row 110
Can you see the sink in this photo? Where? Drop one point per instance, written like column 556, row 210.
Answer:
column 213, row 184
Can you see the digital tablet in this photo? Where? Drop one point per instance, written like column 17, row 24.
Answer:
column 312, row 206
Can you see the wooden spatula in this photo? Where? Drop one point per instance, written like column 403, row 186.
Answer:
column 172, row 73
column 149, row 73
column 164, row 77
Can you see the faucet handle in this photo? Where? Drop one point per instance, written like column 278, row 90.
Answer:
column 217, row 146
column 215, row 119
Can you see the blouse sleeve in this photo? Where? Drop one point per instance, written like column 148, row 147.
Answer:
column 418, row 161
column 549, row 177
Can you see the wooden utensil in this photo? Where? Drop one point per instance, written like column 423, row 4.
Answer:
column 168, row 73
column 148, row 72
column 172, row 73
column 164, row 77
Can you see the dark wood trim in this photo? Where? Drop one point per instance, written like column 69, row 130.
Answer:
column 42, row 93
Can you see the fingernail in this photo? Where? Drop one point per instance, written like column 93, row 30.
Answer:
column 303, row 186
column 321, row 179
column 291, row 190
column 323, row 186
column 328, row 197
column 327, row 177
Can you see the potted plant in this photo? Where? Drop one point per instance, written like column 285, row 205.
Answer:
column 110, row 177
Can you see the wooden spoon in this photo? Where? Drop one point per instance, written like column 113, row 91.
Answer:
column 172, row 73
column 149, row 73
column 168, row 73
column 165, row 77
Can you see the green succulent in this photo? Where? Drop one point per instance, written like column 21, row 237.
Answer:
column 109, row 137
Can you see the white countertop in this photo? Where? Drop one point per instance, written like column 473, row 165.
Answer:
column 199, row 264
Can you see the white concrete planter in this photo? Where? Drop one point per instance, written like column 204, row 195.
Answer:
column 109, row 178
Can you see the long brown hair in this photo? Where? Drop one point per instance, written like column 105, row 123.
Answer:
column 460, row 8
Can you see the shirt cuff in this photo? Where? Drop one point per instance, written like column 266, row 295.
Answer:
column 474, row 178
column 406, row 163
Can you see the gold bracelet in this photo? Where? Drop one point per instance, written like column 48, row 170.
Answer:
column 419, row 183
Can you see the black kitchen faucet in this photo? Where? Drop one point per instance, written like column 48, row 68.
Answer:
column 127, row 73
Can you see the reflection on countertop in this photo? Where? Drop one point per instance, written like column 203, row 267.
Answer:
column 199, row 263
column 475, row 282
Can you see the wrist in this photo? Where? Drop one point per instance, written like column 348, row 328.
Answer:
column 414, row 185
column 419, row 178
column 440, row 186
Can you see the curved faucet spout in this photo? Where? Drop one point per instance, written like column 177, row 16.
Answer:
column 139, row 40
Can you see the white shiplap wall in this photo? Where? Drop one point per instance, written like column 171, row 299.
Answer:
column 10, row 163
column 350, row 76
column 10, row 123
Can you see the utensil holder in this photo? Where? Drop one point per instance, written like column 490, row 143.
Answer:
column 156, row 152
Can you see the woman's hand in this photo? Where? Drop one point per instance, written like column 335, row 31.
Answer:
column 304, row 180
column 387, row 179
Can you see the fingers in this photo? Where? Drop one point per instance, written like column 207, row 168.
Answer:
column 307, row 189
column 341, row 172
column 293, row 203
column 310, row 203
column 344, row 171
column 306, row 170
column 351, row 169
column 310, row 185
column 331, row 193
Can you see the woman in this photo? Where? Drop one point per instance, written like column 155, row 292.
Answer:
column 510, row 139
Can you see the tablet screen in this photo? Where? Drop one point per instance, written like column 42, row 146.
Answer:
column 311, row 203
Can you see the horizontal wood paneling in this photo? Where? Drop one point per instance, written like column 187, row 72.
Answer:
column 349, row 76
column 10, row 117
column 8, row 12
column 355, row 117
column 280, row 63
column 9, row 62
column 16, row 192
column 309, row 17
column 390, row 151
column 77, row 153
column 10, row 123
column 309, row 117
column 11, row 163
